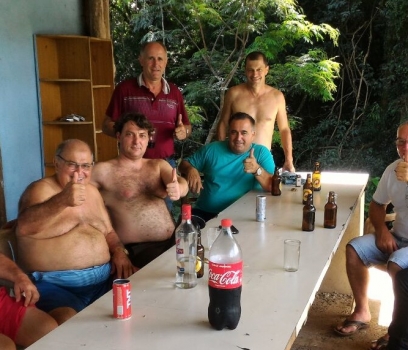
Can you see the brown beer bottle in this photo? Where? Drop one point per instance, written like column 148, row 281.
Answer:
column 276, row 183
column 200, row 256
column 309, row 214
column 307, row 188
column 316, row 177
column 330, row 211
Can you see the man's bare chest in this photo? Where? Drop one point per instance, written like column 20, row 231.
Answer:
column 130, row 187
column 260, row 108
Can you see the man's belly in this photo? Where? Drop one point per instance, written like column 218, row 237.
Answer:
column 74, row 250
column 264, row 135
column 152, row 224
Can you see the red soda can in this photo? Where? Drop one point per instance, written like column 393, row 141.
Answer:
column 122, row 304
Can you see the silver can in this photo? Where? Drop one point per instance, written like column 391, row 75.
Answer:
column 260, row 208
column 298, row 181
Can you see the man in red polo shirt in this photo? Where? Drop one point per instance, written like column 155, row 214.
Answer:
column 160, row 101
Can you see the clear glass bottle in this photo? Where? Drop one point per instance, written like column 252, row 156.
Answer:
column 186, row 250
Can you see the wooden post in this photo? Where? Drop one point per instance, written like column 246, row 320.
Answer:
column 96, row 14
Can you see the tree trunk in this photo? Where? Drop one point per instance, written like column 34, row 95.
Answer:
column 96, row 14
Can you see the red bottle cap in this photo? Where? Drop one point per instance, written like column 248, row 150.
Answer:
column 226, row 222
column 186, row 211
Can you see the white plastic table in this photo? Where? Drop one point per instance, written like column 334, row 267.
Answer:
column 274, row 302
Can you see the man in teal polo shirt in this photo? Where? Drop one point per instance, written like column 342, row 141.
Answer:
column 230, row 168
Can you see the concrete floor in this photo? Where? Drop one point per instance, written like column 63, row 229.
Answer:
column 330, row 309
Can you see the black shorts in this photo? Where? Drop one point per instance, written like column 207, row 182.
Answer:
column 140, row 254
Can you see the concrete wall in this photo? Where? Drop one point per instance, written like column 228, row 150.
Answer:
column 20, row 128
column 336, row 279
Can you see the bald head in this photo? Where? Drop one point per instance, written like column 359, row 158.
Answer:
column 72, row 145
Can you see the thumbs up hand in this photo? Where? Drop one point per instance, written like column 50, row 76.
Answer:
column 74, row 192
column 173, row 188
column 250, row 163
column 180, row 132
column 401, row 171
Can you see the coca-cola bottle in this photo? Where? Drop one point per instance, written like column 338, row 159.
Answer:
column 225, row 279
column 186, row 250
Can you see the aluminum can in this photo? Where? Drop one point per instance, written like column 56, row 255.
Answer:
column 260, row 208
column 298, row 181
column 122, row 303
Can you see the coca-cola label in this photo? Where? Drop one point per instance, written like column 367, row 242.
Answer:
column 225, row 276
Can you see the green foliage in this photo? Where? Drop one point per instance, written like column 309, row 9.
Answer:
column 370, row 189
column 311, row 74
column 342, row 66
column 208, row 40
column 293, row 29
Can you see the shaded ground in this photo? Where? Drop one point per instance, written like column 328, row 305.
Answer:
column 328, row 310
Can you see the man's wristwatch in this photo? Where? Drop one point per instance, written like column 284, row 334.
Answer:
column 258, row 172
column 123, row 249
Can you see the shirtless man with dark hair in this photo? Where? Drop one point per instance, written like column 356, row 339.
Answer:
column 261, row 101
column 65, row 238
column 134, row 190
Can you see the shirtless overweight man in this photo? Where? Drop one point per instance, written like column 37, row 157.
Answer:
column 65, row 238
column 134, row 190
column 263, row 102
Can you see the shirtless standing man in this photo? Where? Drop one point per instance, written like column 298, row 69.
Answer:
column 263, row 102
column 134, row 190
column 65, row 238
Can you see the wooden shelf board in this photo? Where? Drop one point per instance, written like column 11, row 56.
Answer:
column 66, row 123
column 46, row 80
column 100, row 86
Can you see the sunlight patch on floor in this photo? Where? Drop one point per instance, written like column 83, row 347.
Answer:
column 380, row 288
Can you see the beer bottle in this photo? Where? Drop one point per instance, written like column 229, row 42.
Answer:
column 200, row 256
column 309, row 214
column 307, row 188
column 276, row 183
column 316, row 177
column 330, row 211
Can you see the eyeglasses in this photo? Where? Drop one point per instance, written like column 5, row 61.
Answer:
column 399, row 142
column 74, row 166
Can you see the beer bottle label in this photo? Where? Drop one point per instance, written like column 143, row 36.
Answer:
column 306, row 193
column 225, row 276
column 316, row 181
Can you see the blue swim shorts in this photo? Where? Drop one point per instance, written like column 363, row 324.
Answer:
column 71, row 288
column 370, row 255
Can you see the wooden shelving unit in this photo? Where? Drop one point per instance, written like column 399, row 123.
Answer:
column 75, row 76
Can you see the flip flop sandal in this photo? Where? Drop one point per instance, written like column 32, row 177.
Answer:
column 381, row 344
column 359, row 325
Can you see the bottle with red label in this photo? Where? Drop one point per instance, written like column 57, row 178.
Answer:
column 225, row 279
column 186, row 250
